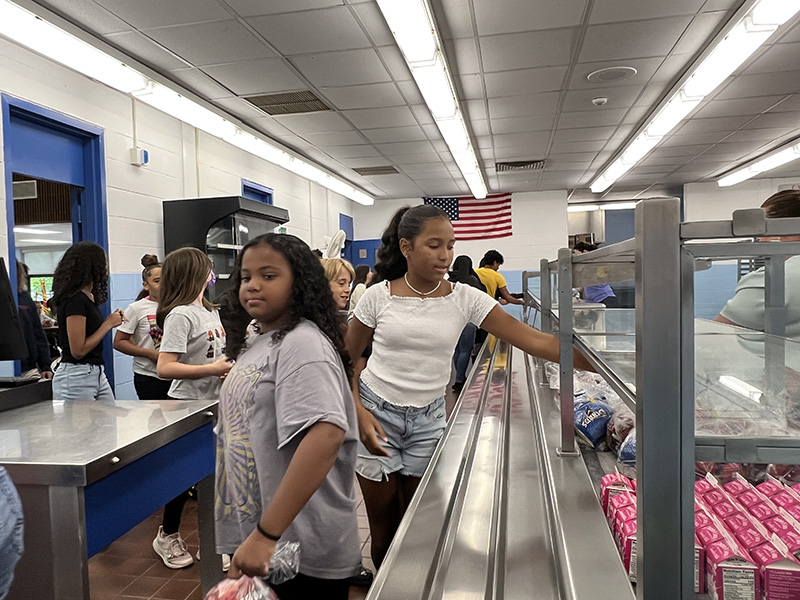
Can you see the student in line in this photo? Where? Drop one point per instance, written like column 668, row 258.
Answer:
column 287, row 433
column 37, row 363
column 495, row 283
column 192, row 355
column 414, row 317
column 363, row 277
column 80, row 285
column 340, row 275
column 140, row 336
column 462, row 273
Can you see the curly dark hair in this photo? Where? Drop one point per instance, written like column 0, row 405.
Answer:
column 311, row 297
column 407, row 223
column 83, row 263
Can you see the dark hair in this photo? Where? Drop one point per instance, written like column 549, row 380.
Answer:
column 22, row 277
column 362, row 272
column 407, row 223
column 783, row 204
column 311, row 297
column 149, row 262
column 183, row 276
column 584, row 247
column 491, row 257
column 462, row 269
column 83, row 263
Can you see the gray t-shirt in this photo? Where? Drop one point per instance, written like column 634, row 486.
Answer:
column 272, row 396
column 197, row 335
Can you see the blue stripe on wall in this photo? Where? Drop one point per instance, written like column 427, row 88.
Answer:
column 713, row 288
column 124, row 287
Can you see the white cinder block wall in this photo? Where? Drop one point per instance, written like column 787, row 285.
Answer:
column 184, row 163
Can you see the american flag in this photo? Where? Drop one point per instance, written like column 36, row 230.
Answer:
column 475, row 219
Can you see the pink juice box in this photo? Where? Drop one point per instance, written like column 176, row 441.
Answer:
column 699, row 567
column 750, row 537
column 784, row 499
column 732, row 574
column 701, row 519
column 780, row 572
column 624, row 514
column 769, row 487
column 714, row 496
column 708, row 535
column 794, row 511
column 763, row 511
column 628, row 548
column 617, row 502
column 792, row 541
column 778, row 524
column 749, row 498
column 796, row 487
column 611, row 485
column 739, row 521
column 737, row 486
column 724, row 509
column 702, row 486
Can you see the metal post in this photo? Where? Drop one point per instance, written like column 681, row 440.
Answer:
column 565, row 332
column 775, row 326
column 664, row 406
column 547, row 295
column 211, row 565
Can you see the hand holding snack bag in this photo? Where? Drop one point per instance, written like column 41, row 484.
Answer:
column 244, row 588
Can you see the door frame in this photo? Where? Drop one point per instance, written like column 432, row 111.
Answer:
column 93, row 215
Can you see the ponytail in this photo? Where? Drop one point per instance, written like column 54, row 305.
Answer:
column 407, row 223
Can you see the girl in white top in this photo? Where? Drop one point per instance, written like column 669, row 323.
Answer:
column 414, row 317
column 140, row 336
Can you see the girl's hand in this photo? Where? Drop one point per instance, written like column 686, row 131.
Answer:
column 252, row 557
column 221, row 367
column 369, row 430
column 116, row 318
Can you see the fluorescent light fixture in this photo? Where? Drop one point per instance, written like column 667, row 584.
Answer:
column 773, row 160
column 33, row 32
column 743, row 38
column 415, row 32
column 36, row 231
column 46, row 241
column 576, row 208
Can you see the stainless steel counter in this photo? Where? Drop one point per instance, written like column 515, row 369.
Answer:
column 89, row 471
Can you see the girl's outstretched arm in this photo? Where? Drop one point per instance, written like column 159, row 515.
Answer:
column 309, row 467
column 168, row 367
column 502, row 325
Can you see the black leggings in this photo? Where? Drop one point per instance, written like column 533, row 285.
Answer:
column 173, row 509
column 303, row 587
column 151, row 388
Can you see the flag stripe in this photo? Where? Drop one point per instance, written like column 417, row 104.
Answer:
column 475, row 219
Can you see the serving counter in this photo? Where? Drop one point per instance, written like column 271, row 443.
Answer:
column 87, row 472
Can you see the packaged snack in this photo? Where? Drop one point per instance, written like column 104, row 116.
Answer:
column 591, row 419
column 244, row 588
column 627, row 450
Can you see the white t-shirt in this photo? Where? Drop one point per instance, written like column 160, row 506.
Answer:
column 197, row 335
column 414, row 340
column 145, row 333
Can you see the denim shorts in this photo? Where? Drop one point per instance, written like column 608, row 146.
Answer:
column 412, row 432
column 80, row 381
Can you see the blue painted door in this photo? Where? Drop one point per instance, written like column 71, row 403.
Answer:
column 364, row 252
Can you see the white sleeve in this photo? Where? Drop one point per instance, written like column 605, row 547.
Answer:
column 478, row 304
column 132, row 316
column 367, row 308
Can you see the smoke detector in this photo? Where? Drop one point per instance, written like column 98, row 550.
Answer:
column 611, row 74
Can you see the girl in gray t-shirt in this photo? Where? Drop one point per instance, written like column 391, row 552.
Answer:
column 287, row 432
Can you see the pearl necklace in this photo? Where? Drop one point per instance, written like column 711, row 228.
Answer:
column 413, row 289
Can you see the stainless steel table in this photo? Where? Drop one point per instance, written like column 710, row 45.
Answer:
column 87, row 472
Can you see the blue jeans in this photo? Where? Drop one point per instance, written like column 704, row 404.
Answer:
column 10, row 531
column 81, row 382
column 464, row 351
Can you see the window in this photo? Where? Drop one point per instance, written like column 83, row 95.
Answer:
column 256, row 191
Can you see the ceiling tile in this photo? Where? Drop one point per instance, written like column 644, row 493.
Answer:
column 462, row 56
column 591, row 118
column 792, row 33
column 537, row 139
column 792, row 103
column 240, row 108
column 474, row 109
column 362, row 151
column 519, row 124
column 758, row 135
column 520, row 153
column 700, row 32
column 776, row 58
column 335, row 138
column 350, row 67
column 395, row 63
column 439, row 145
column 629, row 10
column 375, row 118
column 372, row 19
column 454, row 18
column 252, row 77
column 422, row 114
column 726, row 124
column 685, row 151
column 312, row 31
column 479, row 127
column 509, row 16
column 636, row 115
column 469, row 87
column 425, row 157
column 573, row 157
column 582, row 146
column 737, row 106
column 363, row 96
column 671, row 69
column 651, row 95
column 525, row 81
column 200, row 83
column 522, row 106
column 762, row 84
column 432, row 131
column 410, row 92
column 269, row 126
column 359, row 163
column 635, row 39
column 693, row 139
column 395, row 134
column 515, row 51
column 94, row 18
column 436, row 168
column 250, row 8
column 211, row 43
column 320, row 122
column 156, row 13
column 578, row 135
column 618, row 97
column 402, row 148
column 645, row 69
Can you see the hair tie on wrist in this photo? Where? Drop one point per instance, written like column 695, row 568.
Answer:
column 267, row 535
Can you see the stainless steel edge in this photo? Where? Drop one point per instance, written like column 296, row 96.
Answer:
column 619, row 252
column 743, row 249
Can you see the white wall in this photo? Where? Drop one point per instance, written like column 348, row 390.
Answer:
column 709, row 202
column 538, row 221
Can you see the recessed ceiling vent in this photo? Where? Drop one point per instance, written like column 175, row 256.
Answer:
column 370, row 171
column 288, row 103
column 611, row 74
column 520, row 165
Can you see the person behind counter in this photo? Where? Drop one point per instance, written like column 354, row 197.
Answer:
column 192, row 355
column 140, row 336
column 599, row 294
column 495, row 283
column 80, row 285
column 414, row 318
column 37, row 363
column 747, row 307
column 287, row 432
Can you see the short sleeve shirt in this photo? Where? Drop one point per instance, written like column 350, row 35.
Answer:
column 491, row 279
column 273, row 395
column 79, row 304
column 197, row 335
column 144, row 331
column 414, row 340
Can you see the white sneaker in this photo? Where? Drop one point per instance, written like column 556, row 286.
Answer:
column 172, row 550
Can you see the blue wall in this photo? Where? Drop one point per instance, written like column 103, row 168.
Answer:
column 619, row 225
column 713, row 288
column 124, row 289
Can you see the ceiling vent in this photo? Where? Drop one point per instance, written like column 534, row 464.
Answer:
column 520, row 165
column 24, row 190
column 288, row 103
column 370, row 171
